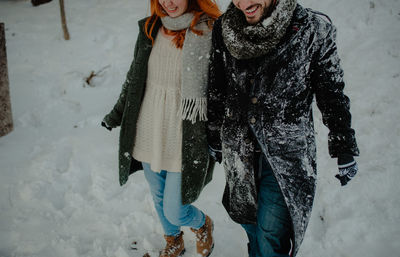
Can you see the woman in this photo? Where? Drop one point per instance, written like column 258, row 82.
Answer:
column 162, row 113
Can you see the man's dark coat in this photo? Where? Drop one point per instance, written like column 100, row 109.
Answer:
column 269, row 98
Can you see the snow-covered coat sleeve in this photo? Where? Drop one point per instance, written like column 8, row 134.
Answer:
column 327, row 80
column 216, row 92
column 114, row 118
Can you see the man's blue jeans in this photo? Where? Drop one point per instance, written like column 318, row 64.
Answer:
column 165, row 188
column 270, row 237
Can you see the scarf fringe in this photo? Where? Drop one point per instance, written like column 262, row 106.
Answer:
column 194, row 67
column 191, row 108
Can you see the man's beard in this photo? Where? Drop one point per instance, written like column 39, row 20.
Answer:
column 267, row 12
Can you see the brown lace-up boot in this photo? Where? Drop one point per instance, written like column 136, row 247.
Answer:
column 174, row 247
column 204, row 238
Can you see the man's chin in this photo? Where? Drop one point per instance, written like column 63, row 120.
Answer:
column 253, row 20
column 259, row 16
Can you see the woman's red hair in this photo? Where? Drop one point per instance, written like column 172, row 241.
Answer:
column 197, row 7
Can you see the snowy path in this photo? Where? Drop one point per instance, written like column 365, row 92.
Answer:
column 59, row 191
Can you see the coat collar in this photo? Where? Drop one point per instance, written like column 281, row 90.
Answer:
column 299, row 16
column 157, row 26
column 300, row 13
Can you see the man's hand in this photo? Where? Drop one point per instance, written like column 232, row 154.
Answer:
column 347, row 169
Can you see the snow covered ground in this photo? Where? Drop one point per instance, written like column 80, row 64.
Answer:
column 59, row 191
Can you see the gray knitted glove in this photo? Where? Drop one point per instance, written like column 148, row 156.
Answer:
column 347, row 169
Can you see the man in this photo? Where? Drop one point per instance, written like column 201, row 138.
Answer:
column 268, row 61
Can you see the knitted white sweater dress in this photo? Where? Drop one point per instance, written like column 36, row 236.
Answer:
column 158, row 138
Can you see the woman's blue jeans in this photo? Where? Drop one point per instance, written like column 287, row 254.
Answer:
column 271, row 236
column 165, row 188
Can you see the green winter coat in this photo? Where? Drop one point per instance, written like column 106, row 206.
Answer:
column 197, row 166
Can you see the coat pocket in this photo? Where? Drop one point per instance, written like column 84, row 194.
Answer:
column 287, row 145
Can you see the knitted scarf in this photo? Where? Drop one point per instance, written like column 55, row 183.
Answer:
column 195, row 57
column 246, row 41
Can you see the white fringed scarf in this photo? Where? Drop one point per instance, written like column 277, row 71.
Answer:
column 195, row 58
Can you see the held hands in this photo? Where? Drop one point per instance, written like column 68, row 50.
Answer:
column 215, row 154
column 347, row 169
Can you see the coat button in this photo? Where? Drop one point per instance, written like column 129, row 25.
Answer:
column 252, row 81
column 247, row 141
column 252, row 120
column 254, row 100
